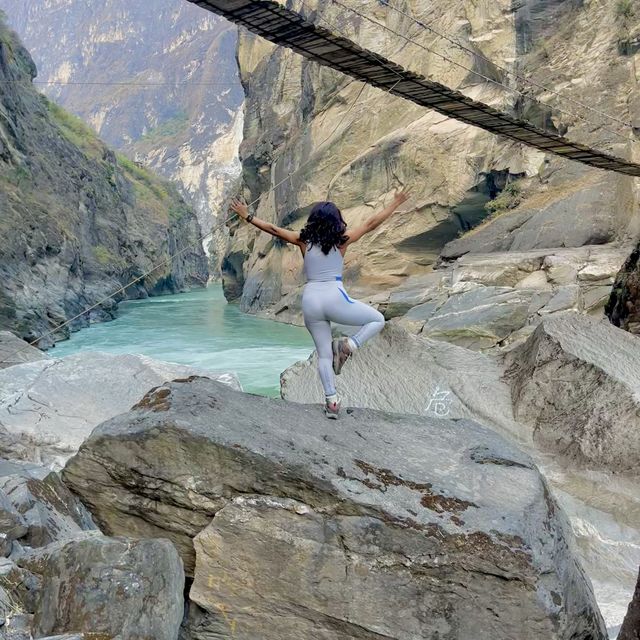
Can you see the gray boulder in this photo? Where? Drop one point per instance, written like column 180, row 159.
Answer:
column 121, row 587
column 18, row 592
column 49, row 407
column 493, row 301
column 586, row 215
column 14, row 350
column 576, row 383
column 482, row 316
column 17, row 627
column 380, row 525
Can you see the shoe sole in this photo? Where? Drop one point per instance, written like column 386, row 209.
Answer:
column 335, row 347
column 336, row 356
column 331, row 416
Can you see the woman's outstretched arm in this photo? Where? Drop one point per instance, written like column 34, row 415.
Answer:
column 376, row 220
column 286, row 234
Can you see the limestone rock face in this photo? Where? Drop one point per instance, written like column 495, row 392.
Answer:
column 576, row 382
column 354, row 148
column 78, row 222
column 13, row 350
column 114, row 586
column 384, row 525
column 49, row 407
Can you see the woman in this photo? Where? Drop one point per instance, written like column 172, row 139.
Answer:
column 323, row 242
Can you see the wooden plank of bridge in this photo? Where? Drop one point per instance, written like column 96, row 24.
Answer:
column 289, row 29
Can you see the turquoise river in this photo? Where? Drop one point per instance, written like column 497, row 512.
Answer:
column 201, row 329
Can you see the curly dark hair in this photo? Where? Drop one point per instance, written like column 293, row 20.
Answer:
column 325, row 227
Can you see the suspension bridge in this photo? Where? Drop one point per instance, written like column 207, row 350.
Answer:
column 290, row 29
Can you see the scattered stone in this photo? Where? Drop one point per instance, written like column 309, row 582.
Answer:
column 576, row 383
column 51, row 406
column 317, row 529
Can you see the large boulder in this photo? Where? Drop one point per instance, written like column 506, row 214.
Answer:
column 18, row 594
column 47, row 408
column 121, row 587
column 402, row 372
column 576, row 383
column 379, row 525
column 36, row 509
column 14, row 350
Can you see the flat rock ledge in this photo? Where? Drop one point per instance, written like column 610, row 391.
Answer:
column 376, row 526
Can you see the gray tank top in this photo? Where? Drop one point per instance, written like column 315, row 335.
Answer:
column 321, row 267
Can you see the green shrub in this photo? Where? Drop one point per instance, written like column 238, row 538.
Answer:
column 624, row 8
column 143, row 179
column 105, row 257
column 75, row 130
column 509, row 198
column 167, row 129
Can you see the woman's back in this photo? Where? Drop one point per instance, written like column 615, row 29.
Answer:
column 321, row 267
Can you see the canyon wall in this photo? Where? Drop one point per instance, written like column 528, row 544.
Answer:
column 472, row 191
column 78, row 221
column 156, row 80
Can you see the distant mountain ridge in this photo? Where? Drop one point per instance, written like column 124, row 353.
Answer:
column 188, row 131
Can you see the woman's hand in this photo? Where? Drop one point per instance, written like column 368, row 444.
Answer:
column 400, row 197
column 240, row 208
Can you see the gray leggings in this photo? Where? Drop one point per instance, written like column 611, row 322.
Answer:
column 323, row 302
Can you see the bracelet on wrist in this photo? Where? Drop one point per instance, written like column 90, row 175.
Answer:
column 250, row 217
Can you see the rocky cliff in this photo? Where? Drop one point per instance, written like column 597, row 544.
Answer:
column 78, row 221
column 175, row 104
column 473, row 192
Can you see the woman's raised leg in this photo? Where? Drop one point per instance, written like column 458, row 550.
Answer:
column 357, row 314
